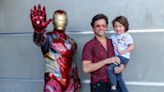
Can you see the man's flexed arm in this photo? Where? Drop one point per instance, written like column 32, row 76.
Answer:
column 88, row 66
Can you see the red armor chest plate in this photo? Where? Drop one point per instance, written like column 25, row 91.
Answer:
column 62, row 46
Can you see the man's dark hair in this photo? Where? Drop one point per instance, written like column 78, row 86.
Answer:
column 98, row 17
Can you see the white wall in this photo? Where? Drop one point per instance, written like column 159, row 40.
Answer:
column 22, row 64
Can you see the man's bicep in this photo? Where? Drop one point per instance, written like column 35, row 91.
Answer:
column 85, row 65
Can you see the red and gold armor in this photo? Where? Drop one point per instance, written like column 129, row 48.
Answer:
column 58, row 48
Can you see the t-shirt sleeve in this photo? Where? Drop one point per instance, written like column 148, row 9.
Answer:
column 87, row 53
column 129, row 39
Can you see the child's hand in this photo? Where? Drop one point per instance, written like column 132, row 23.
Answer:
column 119, row 51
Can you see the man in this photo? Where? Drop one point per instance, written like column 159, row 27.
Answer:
column 97, row 54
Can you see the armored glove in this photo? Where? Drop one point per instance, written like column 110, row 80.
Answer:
column 38, row 19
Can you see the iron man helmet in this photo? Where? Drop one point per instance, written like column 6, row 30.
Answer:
column 59, row 19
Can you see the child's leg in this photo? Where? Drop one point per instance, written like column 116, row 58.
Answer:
column 122, row 85
column 112, row 76
column 119, row 75
column 120, row 81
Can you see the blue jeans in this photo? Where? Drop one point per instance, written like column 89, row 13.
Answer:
column 117, row 78
column 121, row 86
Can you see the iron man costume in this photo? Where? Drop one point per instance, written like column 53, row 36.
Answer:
column 58, row 48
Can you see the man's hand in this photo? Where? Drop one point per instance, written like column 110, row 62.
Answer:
column 38, row 18
column 119, row 69
column 114, row 60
